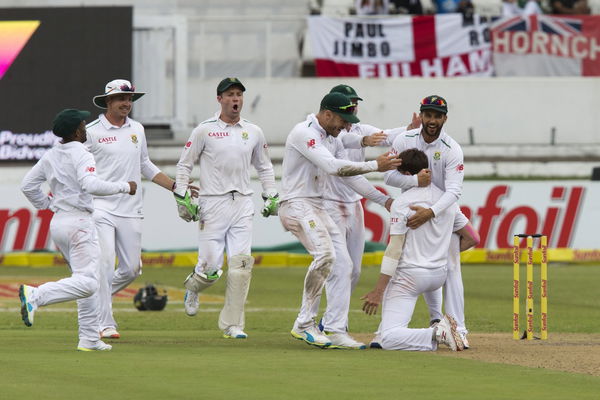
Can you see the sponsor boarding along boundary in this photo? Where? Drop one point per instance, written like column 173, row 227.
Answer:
column 277, row 259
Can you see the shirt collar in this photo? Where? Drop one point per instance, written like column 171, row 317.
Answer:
column 315, row 124
column 107, row 125
column 442, row 136
column 222, row 124
column 71, row 144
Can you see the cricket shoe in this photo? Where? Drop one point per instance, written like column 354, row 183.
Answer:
column 344, row 341
column 446, row 334
column 311, row 335
column 98, row 346
column 191, row 303
column 375, row 342
column 233, row 332
column 110, row 333
column 463, row 336
column 27, row 307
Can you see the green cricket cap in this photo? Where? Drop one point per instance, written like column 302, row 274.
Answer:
column 341, row 105
column 227, row 83
column 67, row 121
column 347, row 90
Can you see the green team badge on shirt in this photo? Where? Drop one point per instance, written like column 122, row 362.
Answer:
column 245, row 135
column 437, row 155
column 134, row 139
column 312, row 224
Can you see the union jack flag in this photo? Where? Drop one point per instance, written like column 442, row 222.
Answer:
column 546, row 45
column 540, row 23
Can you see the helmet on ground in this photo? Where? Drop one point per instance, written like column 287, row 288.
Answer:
column 148, row 298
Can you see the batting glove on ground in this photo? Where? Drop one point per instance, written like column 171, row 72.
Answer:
column 271, row 206
column 187, row 210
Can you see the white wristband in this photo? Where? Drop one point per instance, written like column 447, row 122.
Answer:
column 388, row 266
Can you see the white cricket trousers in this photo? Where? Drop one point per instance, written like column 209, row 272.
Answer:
column 74, row 234
column 345, row 271
column 454, row 296
column 225, row 225
column 120, row 238
column 399, row 302
column 317, row 232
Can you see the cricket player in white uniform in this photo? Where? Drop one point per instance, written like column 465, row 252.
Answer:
column 415, row 262
column 306, row 164
column 118, row 144
column 342, row 202
column 225, row 148
column 70, row 171
column 348, row 217
column 446, row 164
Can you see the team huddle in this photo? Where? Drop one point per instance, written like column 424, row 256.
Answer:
column 93, row 175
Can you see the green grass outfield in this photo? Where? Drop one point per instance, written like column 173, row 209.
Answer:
column 167, row 355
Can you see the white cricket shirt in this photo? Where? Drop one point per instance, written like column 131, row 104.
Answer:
column 70, row 171
column 121, row 154
column 426, row 246
column 337, row 189
column 445, row 161
column 307, row 162
column 225, row 153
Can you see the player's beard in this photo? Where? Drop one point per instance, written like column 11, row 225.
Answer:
column 431, row 134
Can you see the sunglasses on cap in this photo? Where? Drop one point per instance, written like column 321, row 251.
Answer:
column 123, row 88
column 348, row 109
column 432, row 100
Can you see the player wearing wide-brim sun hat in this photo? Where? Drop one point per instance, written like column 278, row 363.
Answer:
column 434, row 102
column 117, row 86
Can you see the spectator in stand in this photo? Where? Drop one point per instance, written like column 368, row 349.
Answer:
column 372, row 7
column 510, row 8
column 570, row 7
column 466, row 8
column 412, row 7
column 532, row 7
column 446, row 6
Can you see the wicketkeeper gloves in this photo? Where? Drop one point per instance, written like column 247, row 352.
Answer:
column 188, row 211
column 271, row 206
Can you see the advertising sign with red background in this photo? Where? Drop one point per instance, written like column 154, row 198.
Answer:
column 566, row 211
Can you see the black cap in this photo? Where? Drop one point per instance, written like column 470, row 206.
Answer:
column 434, row 102
column 347, row 90
column 67, row 121
column 227, row 83
column 341, row 105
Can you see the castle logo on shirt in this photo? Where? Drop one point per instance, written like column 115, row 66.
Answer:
column 218, row 135
column 134, row 139
column 107, row 139
column 437, row 155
